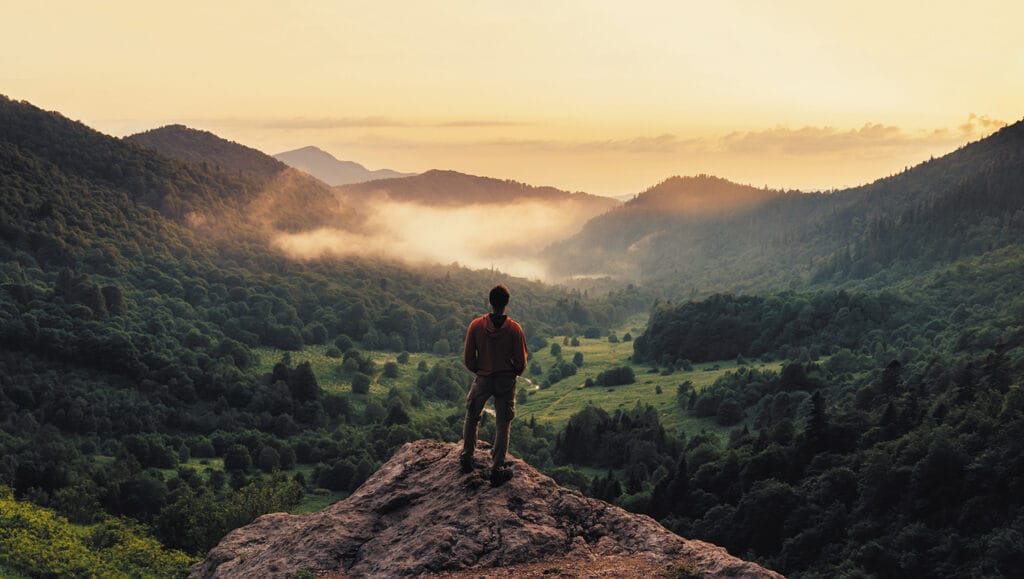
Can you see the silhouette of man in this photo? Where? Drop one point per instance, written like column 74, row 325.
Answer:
column 496, row 352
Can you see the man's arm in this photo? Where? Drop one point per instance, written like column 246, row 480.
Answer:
column 469, row 354
column 520, row 354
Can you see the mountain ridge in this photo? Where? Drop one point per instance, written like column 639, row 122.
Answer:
column 789, row 237
column 449, row 187
column 198, row 146
column 330, row 169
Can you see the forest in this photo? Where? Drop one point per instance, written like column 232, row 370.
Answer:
column 165, row 377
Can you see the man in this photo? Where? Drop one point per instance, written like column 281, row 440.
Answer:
column 496, row 352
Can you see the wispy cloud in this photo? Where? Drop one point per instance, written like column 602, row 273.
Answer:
column 374, row 122
column 477, row 123
column 299, row 123
column 869, row 140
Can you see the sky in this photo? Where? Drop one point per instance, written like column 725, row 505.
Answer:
column 592, row 95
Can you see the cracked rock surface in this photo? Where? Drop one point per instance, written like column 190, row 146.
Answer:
column 419, row 515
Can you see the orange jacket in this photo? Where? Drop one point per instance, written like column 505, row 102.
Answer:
column 492, row 349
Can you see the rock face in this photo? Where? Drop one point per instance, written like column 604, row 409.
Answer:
column 420, row 515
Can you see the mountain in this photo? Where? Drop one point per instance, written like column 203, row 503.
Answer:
column 619, row 242
column 287, row 200
column 450, row 188
column 703, row 195
column 331, row 170
column 419, row 514
column 186, row 144
column 961, row 204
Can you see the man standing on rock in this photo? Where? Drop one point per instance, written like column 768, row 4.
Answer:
column 496, row 352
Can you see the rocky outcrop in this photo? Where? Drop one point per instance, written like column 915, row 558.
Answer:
column 420, row 515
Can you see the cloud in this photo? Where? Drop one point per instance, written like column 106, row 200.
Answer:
column 814, row 140
column 302, row 123
column 373, row 122
column 871, row 140
column 471, row 124
column 980, row 123
column 664, row 143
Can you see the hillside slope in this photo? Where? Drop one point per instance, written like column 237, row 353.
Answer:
column 285, row 199
column 964, row 203
column 186, row 144
column 419, row 514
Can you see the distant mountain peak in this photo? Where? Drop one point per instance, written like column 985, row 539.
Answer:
column 331, row 170
column 420, row 515
column 700, row 194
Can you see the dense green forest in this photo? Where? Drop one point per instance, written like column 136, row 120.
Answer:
column 148, row 388
column 888, row 445
column 128, row 334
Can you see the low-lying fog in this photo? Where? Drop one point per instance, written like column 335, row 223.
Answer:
column 505, row 237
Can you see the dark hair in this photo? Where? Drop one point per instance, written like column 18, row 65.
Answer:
column 499, row 296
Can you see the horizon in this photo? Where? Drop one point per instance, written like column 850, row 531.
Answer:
column 592, row 97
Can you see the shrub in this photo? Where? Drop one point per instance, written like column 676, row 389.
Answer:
column 616, row 376
column 360, row 383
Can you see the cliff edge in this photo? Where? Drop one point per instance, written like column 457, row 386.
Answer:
column 420, row 515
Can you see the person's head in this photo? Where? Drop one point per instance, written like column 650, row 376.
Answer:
column 499, row 298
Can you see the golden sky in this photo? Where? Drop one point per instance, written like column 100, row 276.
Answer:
column 606, row 97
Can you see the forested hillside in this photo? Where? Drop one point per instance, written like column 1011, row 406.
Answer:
column 129, row 330
column 965, row 203
column 887, row 445
column 183, row 143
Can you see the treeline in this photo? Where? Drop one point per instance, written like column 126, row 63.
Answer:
column 725, row 326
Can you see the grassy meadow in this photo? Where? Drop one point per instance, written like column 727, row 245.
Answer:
column 568, row 396
column 554, row 405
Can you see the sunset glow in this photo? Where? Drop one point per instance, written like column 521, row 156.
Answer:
column 606, row 97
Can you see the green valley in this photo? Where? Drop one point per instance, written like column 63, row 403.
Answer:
column 829, row 384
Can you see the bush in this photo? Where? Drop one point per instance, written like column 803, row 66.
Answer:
column 237, row 458
column 361, row 383
column 616, row 376
column 343, row 343
column 442, row 347
column 729, row 412
column 269, row 460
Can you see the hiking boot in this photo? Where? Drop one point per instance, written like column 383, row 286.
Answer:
column 500, row 476
column 466, row 462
